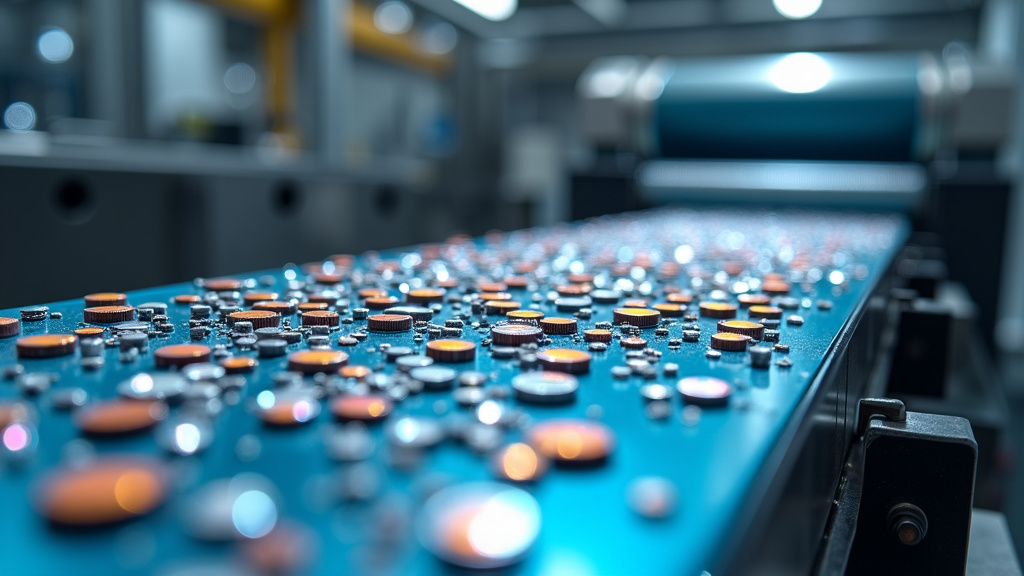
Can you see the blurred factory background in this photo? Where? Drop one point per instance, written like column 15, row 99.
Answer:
column 153, row 141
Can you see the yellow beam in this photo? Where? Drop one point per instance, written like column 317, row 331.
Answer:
column 402, row 48
column 257, row 9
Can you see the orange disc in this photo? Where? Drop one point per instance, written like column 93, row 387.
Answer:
column 559, row 325
column 565, row 360
column 362, row 408
column 181, row 355
column 282, row 308
column 328, row 279
column 669, row 310
column 573, row 289
column 389, row 323
column 119, row 416
column 582, row 278
column 108, row 314
column 491, row 287
column 679, row 298
column 106, row 491
column 534, row 315
column 495, row 296
column 89, row 332
column 290, row 410
column 747, row 300
column 251, row 298
column 259, row 318
column 633, row 342
column 597, row 335
column 729, row 341
column 451, row 350
column 424, row 296
column 46, row 345
column 775, row 287
column 519, row 462
column 517, row 281
column 769, row 312
column 372, row 293
column 640, row 317
column 15, row 411
column 223, row 285
column 329, row 298
column 357, row 371
column 187, row 299
column 448, row 283
column 238, row 364
column 501, row 307
column 745, row 327
column 717, row 310
column 315, row 361
column 380, row 302
column 309, row 306
column 106, row 299
column 580, row 441
column 9, row 327
column 320, row 318
column 635, row 303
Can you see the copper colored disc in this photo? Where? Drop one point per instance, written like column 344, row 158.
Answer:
column 448, row 283
column 597, row 335
column 747, row 300
column 46, row 345
column 532, row 315
column 495, row 296
column 565, row 360
column 320, row 318
column 579, row 441
column 516, row 334
column 769, row 312
column 290, row 410
column 362, row 408
column 717, row 310
column 501, row 307
column 315, row 361
column 108, row 314
column 640, row 317
column 223, row 285
column 729, row 341
column 309, row 306
column 745, row 327
column 491, row 287
column 633, row 342
column 389, row 323
column 119, row 416
column 582, row 278
column 559, row 325
column 181, row 355
column 635, row 303
column 109, row 490
column 424, row 296
column 679, row 298
column 187, row 299
column 380, row 302
column 371, row 293
column 330, row 298
column 670, row 310
column 287, row 549
column 574, row 289
column 357, row 371
column 15, row 411
column 775, row 287
column 89, row 332
column 106, row 299
column 259, row 318
column 282, row 308
column 250, row 298
column 517, row 281
column 9, row 327
column 238, row 364
column 519, row 462
column 451, row 350
column 328, row 279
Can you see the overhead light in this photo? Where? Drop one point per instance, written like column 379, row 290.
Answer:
column 801, row 73
column 797, row 9
column 496, row 10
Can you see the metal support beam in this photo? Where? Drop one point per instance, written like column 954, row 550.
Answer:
column 328, row 62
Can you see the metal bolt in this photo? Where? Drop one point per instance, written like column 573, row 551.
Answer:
column 908, row 523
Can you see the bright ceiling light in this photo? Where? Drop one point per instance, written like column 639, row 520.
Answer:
column 797, row 9
column 496, row 10
column 801, row 73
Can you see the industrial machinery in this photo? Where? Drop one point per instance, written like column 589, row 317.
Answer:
column 670, row 392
